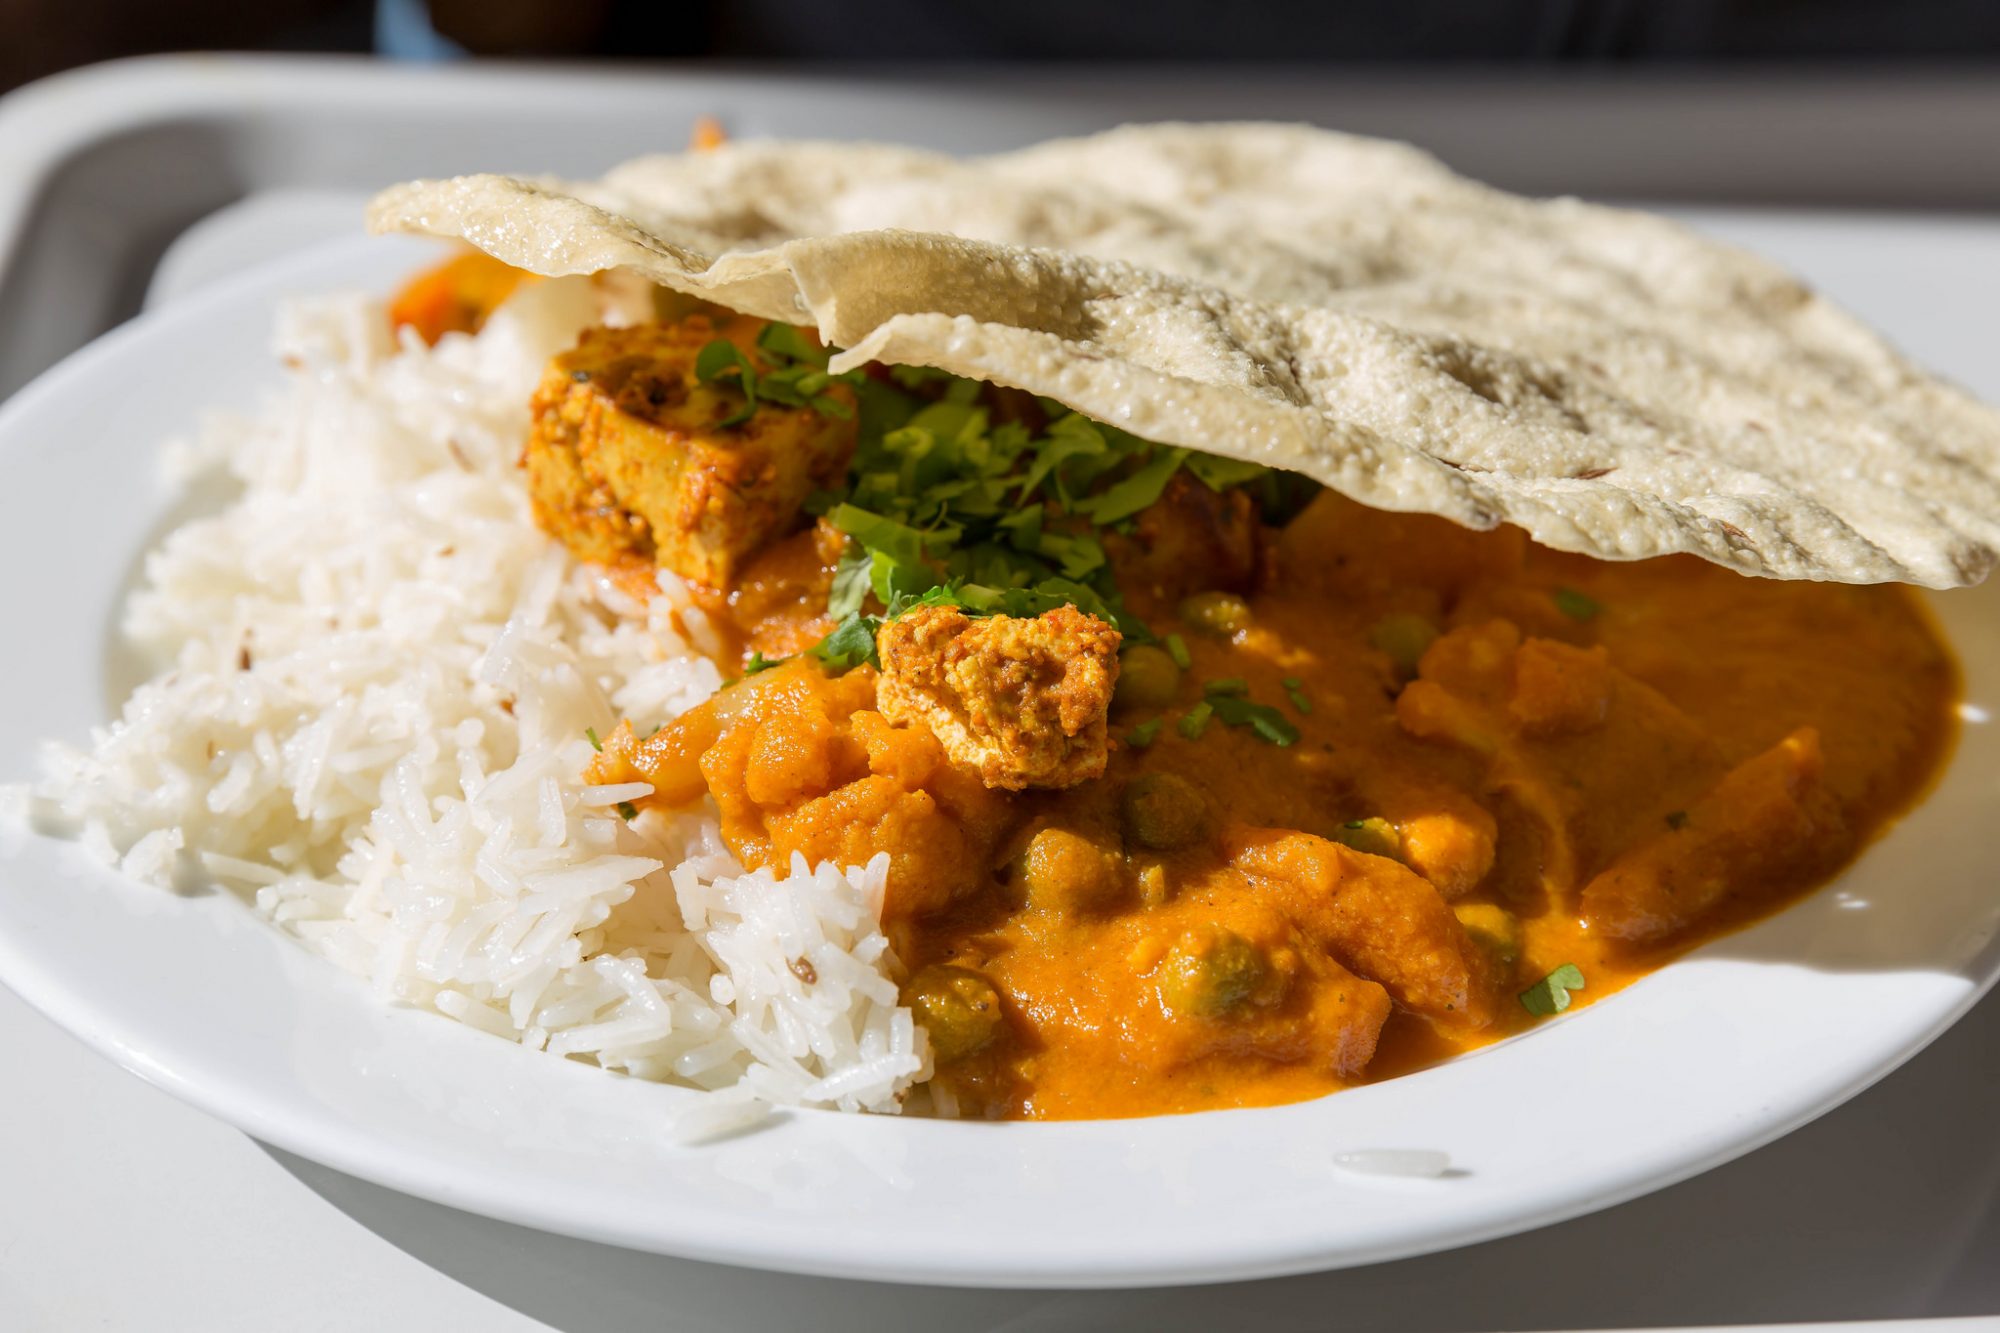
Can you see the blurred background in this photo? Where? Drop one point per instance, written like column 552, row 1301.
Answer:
column 139, row 186
column 43, row 36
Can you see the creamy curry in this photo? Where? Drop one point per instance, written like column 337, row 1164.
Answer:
column 1200, row 786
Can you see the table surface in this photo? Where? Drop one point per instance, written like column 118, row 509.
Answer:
column 1887, row 1208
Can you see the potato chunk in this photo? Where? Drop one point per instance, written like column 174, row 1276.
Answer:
column 1021, row 702
column 1376, row 917
column 627, row 457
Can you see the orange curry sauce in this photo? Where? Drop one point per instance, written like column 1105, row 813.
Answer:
column 1594, row 764
column 1506, row 761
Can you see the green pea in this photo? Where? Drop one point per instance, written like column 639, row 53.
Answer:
column 1147, row 678
column 1208, row 973
column 1221, row 614
column 1374, row 835
column 1060, row 870
column 1403, row 636
column 958, row 1007
column 1164, row 811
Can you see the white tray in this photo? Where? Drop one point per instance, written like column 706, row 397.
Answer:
column 1887, row 1207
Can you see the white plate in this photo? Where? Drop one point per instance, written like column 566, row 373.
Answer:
column 1705, row 1060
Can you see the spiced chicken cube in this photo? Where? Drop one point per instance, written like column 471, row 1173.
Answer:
column 1020, row 701
column 631, row 456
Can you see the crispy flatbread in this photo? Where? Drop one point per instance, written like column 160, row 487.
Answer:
column 1343, row 307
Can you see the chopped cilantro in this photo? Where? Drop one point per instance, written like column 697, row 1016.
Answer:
column 1144, row 734
column 892, row 580
column 879, row 535
column 1228, row 685
column 1550, row 995
column 1299, row 700
column 759, row 662
column 590, row 734
column 916, row 378
column 1195, row 720
column 1677, row 819
column 1574, row 604
column 1178, row 650
column 1002, row 519
column 787, row 342
column 851, row 643
column 1219, row 474
column 628, row 811
column 799, row 386
column 850, row 582
column 1266, row 721
column 798, row 377
column 1135, row 492
column 943, row 595
column 720, row 361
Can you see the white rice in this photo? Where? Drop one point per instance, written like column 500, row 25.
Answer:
column 395, row 775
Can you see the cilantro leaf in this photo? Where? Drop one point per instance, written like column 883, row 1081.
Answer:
column 1135, row 492
column 899, row 541
column 759, row 662
column 627, row 811
column 786, row 342
column 850, row 581
column 716, row 363
column 1550, row 995
column 1576, row 605
column 851, row 643
column 917, row 378
column 1219, row 474
column 590, row 734
column 1145, row 733
column 1195, row 720
column 1266, row 721
column 802, row 386
column 1070, row 437
column 944, row 594
column 890, row 579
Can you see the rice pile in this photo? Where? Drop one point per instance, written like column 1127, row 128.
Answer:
column 374, row 719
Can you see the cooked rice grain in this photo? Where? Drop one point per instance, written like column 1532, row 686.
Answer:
column 379, row 678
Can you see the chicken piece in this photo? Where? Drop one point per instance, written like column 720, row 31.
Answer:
column 1592, row 756
column 1191, row 538
column 628, row 457
column 1750, row 834
column 1021, row 702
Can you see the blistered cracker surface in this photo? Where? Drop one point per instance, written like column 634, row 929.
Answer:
column 1344, row 307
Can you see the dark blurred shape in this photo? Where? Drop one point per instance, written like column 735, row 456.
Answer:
column 526, row 27
column 1292, row 30
column 41, row 36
